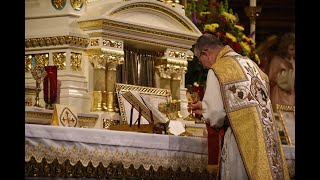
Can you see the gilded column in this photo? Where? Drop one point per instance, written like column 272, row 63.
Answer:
column 105, row 54
column 99, row 65
column 110, row 80
column 164, row 76
column 170, row 68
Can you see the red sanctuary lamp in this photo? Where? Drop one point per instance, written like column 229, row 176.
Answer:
column 50, row 86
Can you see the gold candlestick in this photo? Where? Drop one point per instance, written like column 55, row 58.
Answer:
column 38, row 74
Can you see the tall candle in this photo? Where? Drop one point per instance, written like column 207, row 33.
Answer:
column 253, row 3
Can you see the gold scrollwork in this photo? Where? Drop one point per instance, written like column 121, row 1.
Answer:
column 42, row 59
column 110, row 122
column 138, row 41
column 58, row 4
column 59, row 40
column 189, row 57
column 27, row 63
column 28, row 101
column 177, row 54
column 76, row 61
column 94, row 42
column 107, row 56
column 76, row 4
column 111, row 43
column 59, row 60
column 112, row 66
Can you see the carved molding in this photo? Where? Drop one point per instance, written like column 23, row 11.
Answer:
column 112, row 43
column 107, row 23
column 177, row 54
column 56, row 41
column 94, row 42
column 100, row 57
column 155, row 7
column 140, row 41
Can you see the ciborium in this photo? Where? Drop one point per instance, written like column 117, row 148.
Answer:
column 38, row 73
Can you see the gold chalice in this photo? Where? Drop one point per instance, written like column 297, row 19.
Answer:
column 192, row 97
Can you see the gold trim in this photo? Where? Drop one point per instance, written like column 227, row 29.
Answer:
column 137, row 40
column 27, row 63
column 94, row 42
column 173, row 62
column 76, row 4
column 99, row 56
column 58, row 40
column 38, row 115
column 177, row 54
column 75, row 61
column 82, row 119
column 58, row 4
column 60, row 60
column 113, row 170
column 287, row 108
column 158, row 8
column 27, row 101
column 111, row 43
column 122, row 88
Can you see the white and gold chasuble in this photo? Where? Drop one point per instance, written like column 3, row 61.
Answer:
column 245, row 93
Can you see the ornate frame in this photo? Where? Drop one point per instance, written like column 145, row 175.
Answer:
column 286, row 115
column 156, row 95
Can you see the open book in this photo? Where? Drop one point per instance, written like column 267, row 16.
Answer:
column 147, row 110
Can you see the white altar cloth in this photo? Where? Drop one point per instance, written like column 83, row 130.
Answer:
column 107, row 146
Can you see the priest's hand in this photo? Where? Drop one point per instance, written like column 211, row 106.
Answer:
column 196, row 107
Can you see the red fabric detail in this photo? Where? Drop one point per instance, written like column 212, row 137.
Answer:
column 214, row 141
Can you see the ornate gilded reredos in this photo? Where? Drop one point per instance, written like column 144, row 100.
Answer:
column 56, row 41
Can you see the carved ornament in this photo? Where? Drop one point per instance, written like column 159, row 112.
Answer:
column 55, row 41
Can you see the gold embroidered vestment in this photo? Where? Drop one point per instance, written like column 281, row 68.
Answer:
column 245, row 93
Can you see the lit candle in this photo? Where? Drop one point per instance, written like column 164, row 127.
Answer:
column 253, row 3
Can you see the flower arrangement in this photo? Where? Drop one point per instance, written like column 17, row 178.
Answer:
column 219, row 20
column 225, row 25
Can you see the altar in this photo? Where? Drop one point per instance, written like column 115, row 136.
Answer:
column 55, row 151
column 69, row 152
column 90, row 43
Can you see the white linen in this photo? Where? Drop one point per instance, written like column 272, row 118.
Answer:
column 106, row 146
column 213, row 99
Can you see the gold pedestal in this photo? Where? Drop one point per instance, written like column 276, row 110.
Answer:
column 111, row 102
column 97, row 104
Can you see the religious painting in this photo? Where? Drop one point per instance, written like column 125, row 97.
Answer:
column 286, row 126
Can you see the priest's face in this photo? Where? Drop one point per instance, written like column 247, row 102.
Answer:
column 204, row 58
